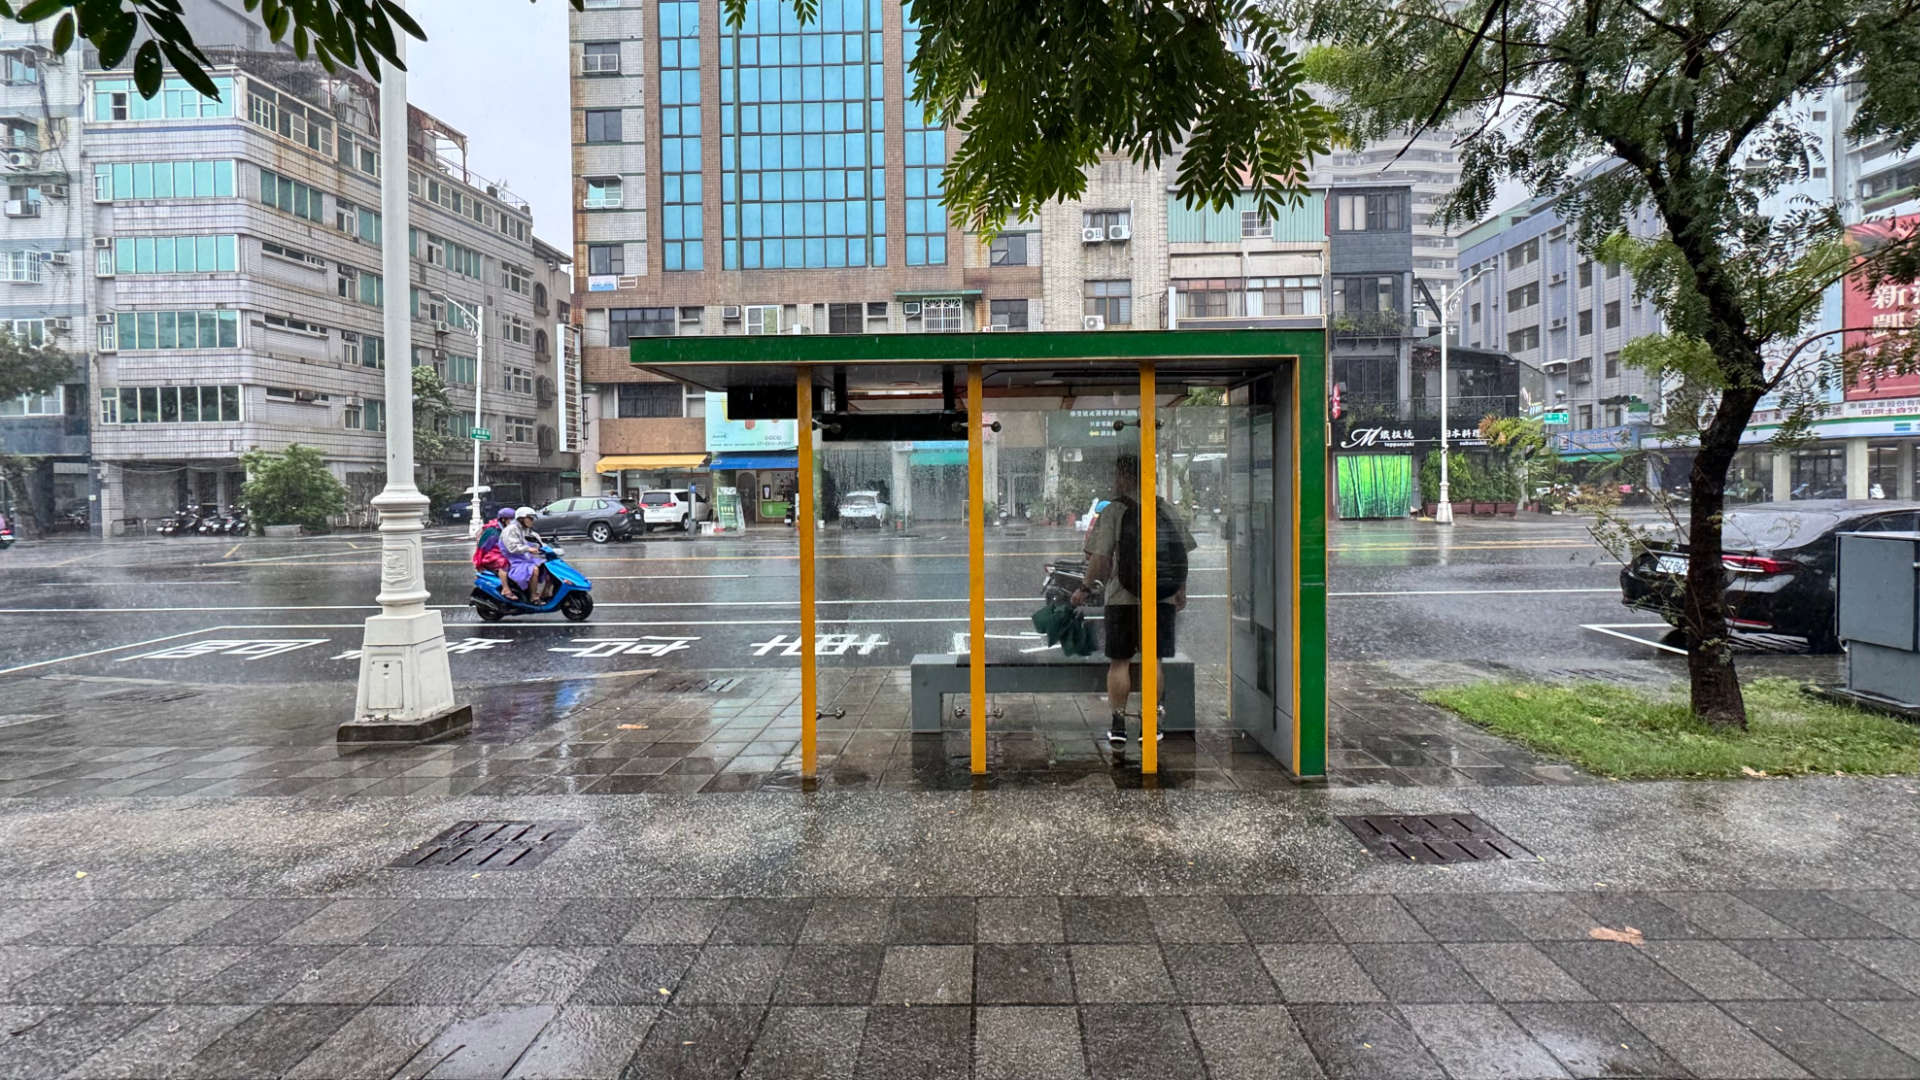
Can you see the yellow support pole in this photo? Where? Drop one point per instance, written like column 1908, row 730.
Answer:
column 1149, row 579
column 977, row 572
column 803, row 516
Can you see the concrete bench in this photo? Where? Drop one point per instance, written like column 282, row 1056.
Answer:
column 935, row 675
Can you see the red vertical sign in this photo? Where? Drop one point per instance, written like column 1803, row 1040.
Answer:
column 1884, row 312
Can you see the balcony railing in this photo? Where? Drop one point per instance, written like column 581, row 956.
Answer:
column 1462, row 409
column 1373, row 324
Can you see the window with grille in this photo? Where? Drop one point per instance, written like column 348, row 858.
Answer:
column 1254, row 224
column 844, row 318
column 648, row 400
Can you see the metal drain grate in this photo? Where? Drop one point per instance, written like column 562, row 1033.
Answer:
column 489, row 845
column 1435, row 838
column 693, row 684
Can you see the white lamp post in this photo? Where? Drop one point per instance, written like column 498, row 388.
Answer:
column 474, row 315
column 406, row 690
column 1443, row 513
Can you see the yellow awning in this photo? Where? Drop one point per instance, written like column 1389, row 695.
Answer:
column 619, row 462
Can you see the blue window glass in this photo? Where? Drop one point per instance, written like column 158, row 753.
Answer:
column 680, row 149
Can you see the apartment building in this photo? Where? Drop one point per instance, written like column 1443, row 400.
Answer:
column 42, row 235
column 1429, row 168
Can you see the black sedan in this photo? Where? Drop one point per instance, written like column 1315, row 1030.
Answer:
column 599, row 518
column 1780, row 562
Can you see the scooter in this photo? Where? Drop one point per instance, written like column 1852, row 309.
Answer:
column 182, row 523
column 572, row 594
column 6, row 535
column 237, row 523
column 1066, row 577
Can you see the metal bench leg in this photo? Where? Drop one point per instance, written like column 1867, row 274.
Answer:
column 1179, row 699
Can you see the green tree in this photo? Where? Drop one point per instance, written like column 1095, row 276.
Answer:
column 291, row 487
column 1693, row 109
column 432, row 411
column 26, row 368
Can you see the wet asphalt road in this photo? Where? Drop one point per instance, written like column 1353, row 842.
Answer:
column 255, row 610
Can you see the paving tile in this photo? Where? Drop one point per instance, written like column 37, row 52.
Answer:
column 1191, row 919
column 264, row 974
column 1639, row 910
column 830, row 975
column 916, row 1043
column 1816, row 914
column 676, row 922
column 810, row 1043
column 1591, row 1039
column 268, row 1042
column 1541, row 916
column 375, row 1044
column 422, row 923
column 1454, row 917
column 1282, row 918
column 1251, row 1042
column 1708, row 1042
column 1139, row 1042
column 177, row 975
column 1820, row 971
column 540, row 974
column 1417, row 973
column 448, row 975
column 82, row 974
column 635, row 975
column 342, row 922
column 1019, row 918
column 502, row 924
column 481, row 1044
column 1116, row 974
column 761, row 922
column 857, row 921
column 94, row 923
column 356, row 976
column 1103, row 919
column 258, row 923
column 63, row 1039
column 1822, row 1041
column 1364, row 1042
column 1370, row 918
column 732, row 975
column 1897, row 961
column 1027, row 1043
column 175, row 923
column 1717, row 971
column 926, row 975
column 1893, row 909
column 1480, row 1042
column 157, row 1047
column 1724, row 915
column 1312, row 972
column 18, row 962
column 931, row 920
column 1898, row 1022
column 1516, row 971
column 1613, row 971
column 24, row 919
column 1022, row 975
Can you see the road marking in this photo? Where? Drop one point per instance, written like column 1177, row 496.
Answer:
column 1614, row 630
column 99, row 652
column 230, row 551
column 1460, row 592
column 605, row 604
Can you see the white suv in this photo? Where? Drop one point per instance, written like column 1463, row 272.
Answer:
column 669, row 507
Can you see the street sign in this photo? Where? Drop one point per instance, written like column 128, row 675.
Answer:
column 1554, row 417
column 483, row 434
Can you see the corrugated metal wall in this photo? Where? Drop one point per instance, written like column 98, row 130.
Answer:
column 1305, row 223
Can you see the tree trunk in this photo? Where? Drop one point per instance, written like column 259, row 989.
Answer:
column 35, row 521
column 1714, row 685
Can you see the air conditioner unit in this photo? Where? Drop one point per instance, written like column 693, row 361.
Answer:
column 799, row 328
column 1093, row 322
column 59, row 258
column 62, row 326
column 1552, row 365
column 20, row 159
column 996, row 327
column 56, row 191
column 103, row 319
column 1556, row 278
column 306, row 395
column 731, row 313
column 443, row 327
column 103, row 241
column 910, row 309
column 1093, row 234
column 1119, row 232
column 1559, row 321
column 23, row 208
column 355, row 401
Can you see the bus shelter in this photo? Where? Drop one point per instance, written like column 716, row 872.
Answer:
column 991, row 442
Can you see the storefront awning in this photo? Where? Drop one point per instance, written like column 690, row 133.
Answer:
column 747, row 460
column 614, row 463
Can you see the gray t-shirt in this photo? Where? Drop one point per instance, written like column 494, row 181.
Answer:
column 1105, row 538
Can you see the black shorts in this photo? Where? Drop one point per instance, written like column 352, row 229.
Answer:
column 1123, row 630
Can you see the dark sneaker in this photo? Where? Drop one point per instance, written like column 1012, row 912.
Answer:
column 1158, row 735
column 1117, row 734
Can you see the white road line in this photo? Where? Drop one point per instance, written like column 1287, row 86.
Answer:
column 99, row 652
column 1469, row 592
column 604, row 604
column 1613, row 630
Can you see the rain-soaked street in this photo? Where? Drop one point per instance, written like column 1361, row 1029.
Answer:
column 265, row 611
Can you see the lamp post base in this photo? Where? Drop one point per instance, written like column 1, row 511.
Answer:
column 406, row 690
column 1443, row 513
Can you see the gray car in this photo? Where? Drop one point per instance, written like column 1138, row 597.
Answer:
column 599, row 518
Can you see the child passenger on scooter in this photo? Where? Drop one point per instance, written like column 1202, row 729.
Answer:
column 489, row 555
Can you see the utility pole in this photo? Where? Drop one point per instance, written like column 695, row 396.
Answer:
column 406, row 689
column 476, row 315
column 1443, row 512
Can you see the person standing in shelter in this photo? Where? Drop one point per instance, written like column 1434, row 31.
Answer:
column 1113, row 556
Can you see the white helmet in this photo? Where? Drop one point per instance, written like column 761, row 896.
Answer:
column 525, row 511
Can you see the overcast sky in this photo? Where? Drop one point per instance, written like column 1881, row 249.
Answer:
column 497, row 71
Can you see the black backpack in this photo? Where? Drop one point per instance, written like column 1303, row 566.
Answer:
column 1171, row 554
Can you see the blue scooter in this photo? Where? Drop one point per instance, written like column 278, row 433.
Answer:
column 572, row 594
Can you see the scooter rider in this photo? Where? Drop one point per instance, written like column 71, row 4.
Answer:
column 523, row 554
